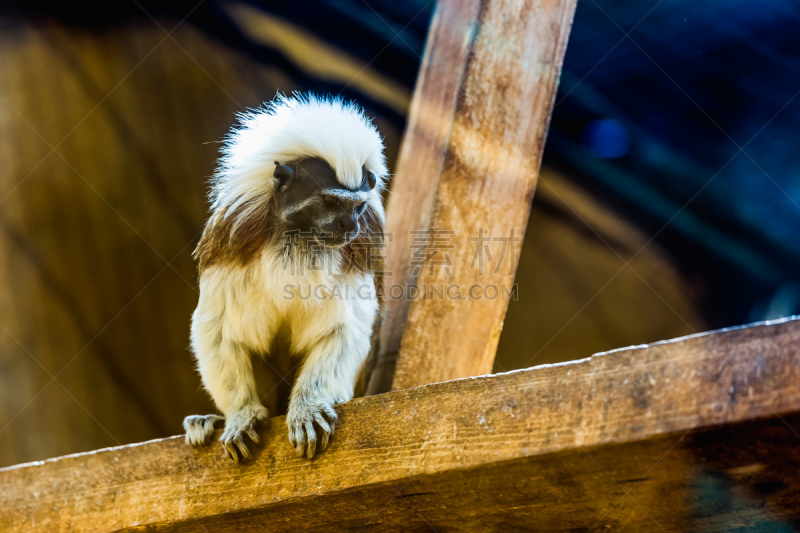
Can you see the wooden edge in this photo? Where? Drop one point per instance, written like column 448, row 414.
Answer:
column 420, row 161
column 617, row 398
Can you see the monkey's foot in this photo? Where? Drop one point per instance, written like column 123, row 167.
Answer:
column 304, row 413
column 200, row 428
column 237, row 425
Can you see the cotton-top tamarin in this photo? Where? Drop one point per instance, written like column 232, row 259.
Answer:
column 288, row 268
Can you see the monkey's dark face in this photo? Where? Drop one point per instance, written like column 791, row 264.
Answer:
column 313, row 204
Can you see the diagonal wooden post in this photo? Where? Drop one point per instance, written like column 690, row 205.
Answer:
column 467, row 169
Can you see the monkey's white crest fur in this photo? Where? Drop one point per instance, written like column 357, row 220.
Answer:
column 242, row 308
column 288, row 128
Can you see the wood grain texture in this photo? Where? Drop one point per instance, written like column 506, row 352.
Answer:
column 632, row 439
column 420, row 161
column 470, row 158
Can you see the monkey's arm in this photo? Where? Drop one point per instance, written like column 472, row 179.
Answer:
column 227, row 373
column 326, row 378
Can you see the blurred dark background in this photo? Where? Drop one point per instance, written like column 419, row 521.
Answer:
column 668, row 201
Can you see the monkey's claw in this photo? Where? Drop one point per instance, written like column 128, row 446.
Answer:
column 200, row 428
column 237, row 425
column 305, row 416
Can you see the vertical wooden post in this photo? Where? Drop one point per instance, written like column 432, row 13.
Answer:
column 467, row 169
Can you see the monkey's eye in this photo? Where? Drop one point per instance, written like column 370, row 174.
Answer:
column 360, row 207
column 331, row 200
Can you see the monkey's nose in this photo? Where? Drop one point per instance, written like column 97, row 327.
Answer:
column 346, row 225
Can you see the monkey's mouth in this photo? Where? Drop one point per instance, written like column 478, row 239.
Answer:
column 334, row 241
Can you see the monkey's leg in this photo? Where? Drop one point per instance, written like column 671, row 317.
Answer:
column 199, row 428
column 326, row 378
column 227, row 372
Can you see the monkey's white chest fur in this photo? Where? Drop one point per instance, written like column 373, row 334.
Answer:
column 240, row 311
column 246, row 306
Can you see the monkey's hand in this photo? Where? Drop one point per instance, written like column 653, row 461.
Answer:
column 237, row 425
column 305, row 411
column 200, row 428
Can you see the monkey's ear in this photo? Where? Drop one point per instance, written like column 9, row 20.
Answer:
column 282, row 175
column 370, row 177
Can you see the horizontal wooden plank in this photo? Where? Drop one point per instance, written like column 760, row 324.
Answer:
column 690, row 434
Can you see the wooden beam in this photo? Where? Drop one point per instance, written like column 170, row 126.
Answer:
column 693, row 434
column 469, row 162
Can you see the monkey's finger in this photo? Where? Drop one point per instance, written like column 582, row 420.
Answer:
column 231, row 452
column 321, row 422
column 242, row 447
column 189, row 421
column 330, row 412
column 230, row 449
column 193, row 435
column 311, row 437
column 188, row 426
column 210, row 421
column 295, row 438
column 252, row 433
column 324, row 442
column 333, row 424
